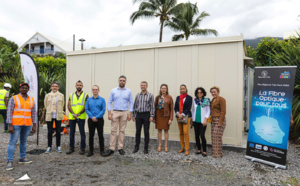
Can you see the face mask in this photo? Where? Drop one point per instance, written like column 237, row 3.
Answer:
column 9, row 90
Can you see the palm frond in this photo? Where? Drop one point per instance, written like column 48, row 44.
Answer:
column 204, row 32
column 141, row 14
column 199, row 19
column 177, row 37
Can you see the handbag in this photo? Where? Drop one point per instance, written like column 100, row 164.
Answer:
column 209, row 119
column 184, row 120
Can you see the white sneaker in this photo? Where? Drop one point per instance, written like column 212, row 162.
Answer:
column 49, row 149
column 58, row 149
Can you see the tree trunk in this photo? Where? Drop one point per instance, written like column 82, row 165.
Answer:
column 161, row 30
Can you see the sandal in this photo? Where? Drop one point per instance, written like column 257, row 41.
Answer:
column 181, row 150
column 159, row 148
column 166, row 149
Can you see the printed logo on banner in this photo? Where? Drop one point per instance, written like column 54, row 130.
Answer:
column 285, row 75
column 264, row 74
column 257, row 146
column 271, row 149
column 266, row 148
column 251, row 145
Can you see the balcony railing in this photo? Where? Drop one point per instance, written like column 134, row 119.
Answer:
column 41, row 51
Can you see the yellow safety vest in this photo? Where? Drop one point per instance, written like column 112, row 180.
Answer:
column 77, row 105
column 2, row 97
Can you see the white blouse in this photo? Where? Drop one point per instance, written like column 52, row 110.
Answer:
column 205, row 111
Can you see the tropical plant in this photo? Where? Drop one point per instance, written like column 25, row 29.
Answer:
column 155, row 8
column 289, row 55
column 9, row 44
column 263, row 54
column 185, row 21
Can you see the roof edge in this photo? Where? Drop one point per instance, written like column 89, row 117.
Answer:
column 159, row 45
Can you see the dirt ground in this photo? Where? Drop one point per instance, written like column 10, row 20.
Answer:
column 156, row 168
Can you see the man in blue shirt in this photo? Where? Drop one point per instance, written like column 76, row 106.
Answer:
column 120, row 97
column 95, row 109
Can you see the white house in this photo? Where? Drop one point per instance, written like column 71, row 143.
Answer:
column 42, row 44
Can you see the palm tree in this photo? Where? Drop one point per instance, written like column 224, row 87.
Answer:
column 184, row 21
column 155, row 8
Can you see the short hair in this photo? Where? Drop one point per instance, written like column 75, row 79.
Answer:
column 202, row 90
column 122, row 76
column 144, row 82
column 183, row 85
column 54, row 82
column 160, row 93
column 215, row 87
column 79, row 82
column 96, row 86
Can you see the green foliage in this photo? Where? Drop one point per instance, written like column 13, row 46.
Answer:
column 186, row 20
column 50, row 64
column 162, row 9
column 8, row 59
column 289, row 55
column 263, row 54
column 9, row 44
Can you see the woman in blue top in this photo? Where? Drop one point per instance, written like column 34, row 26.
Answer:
column 200, row 114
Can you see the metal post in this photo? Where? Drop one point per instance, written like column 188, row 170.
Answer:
column 73, row 42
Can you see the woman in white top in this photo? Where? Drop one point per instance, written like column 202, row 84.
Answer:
column 200, row 114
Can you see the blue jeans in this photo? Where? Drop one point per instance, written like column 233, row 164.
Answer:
column 72, row 124
column 22, row 132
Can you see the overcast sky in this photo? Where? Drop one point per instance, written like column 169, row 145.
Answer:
column 105, row 23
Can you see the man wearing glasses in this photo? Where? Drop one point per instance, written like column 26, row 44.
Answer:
column 120, row 97
column 21, row 118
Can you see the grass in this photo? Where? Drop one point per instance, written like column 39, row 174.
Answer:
column 291, row 181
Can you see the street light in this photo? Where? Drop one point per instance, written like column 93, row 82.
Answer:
column 82, row 40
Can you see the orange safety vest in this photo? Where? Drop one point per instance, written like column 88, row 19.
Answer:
column 22, row 111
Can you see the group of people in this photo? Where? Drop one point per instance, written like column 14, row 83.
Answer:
column 121, row 108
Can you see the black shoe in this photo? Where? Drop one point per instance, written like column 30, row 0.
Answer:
column 90, row 154
column 121, row 152
column 109, row 153
column 135, row 150
column 71, row 150
column 146, row 151
column 102, row 153
column 204, row 155
column 82, row 151
column 197, row 152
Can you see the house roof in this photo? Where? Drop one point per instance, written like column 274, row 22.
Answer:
column 63, row 45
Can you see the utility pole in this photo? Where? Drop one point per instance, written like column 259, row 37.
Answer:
column 73, row 42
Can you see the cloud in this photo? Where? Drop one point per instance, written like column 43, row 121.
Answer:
column 106, row 23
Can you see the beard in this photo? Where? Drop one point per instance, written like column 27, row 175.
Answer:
column 121, row 85
column 79, row 89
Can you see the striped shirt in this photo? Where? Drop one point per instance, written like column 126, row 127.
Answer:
column 144, row 103
column 10, row 109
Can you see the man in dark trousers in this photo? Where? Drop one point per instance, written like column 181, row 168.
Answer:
column 143, row 114
column 95, row 109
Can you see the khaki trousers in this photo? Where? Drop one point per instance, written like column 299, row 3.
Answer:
column 184, row 134
column 119, row 119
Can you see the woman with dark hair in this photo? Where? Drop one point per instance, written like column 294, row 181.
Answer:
column 218, row 112
column 201, row 112
column 163, row 114
column 182, row 109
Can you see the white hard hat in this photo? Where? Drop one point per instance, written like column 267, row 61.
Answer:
column 7, row 85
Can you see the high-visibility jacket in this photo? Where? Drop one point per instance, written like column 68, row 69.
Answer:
column 22, row 110
column 77, row 105
column 2, row 98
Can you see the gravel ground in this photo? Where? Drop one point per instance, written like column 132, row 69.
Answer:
column 156, row 168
